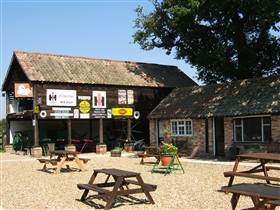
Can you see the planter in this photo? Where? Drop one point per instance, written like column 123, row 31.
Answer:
column 116, row 153
column 101, row 148
column 129, row 147
column 165, row 159
column 167, row 135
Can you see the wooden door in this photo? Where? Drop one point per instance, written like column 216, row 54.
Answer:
column 219, row 137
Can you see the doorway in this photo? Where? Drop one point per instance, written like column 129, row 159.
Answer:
column 219, row 136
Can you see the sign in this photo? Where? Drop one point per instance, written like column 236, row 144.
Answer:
column 125, row 97
column 36, row 109
column 61, row 113
column 23, row 90
column 59, row 97
column 119, row 112
column 121, row 96
column 84, row 106
column 99, row 113
column 130, row 97
column 99, row 99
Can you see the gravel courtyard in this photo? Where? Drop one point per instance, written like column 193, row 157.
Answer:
column 25, row 186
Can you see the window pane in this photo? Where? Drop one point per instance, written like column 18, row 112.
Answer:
column 238, row 134
column 266, row 120
column 188, row 128
column 174, row 127
column 252, row 129
column 267, row 133
column 237, row 121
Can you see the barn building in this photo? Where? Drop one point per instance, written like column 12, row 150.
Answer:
column 59, row 98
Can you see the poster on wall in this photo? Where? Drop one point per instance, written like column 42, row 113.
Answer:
column 121, row 96
column 23, row 90
column 58, row 97
column 99, row 99
column 130, row 97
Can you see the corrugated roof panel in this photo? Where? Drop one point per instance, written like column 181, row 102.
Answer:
column 239, row 98
column 69, row 69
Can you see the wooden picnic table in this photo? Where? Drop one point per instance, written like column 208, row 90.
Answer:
column 149, row 151
column 264, row 196
column 262, row 166
column 124, row 183
column 64, row 157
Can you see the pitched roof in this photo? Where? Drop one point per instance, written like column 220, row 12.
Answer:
column 82, row 70
column 239, row 98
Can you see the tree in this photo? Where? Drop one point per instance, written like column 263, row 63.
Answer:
column 225, row 40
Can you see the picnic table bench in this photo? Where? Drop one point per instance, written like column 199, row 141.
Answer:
column 64, row 157
column 119, row 187
column 150, row 151
column 264, row 196
column 262, row 167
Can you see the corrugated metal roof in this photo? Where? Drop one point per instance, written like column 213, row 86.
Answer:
column 239, row 98
column 82, row 70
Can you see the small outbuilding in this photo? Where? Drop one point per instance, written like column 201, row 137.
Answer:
column 213, row 120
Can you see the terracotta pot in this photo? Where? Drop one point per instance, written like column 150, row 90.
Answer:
column 165, row 159
column 167, row 135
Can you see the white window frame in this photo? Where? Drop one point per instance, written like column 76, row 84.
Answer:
column 183, row 125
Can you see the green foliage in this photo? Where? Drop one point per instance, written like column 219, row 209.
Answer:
column 117, row 149
column 225, row 40
column 3, row 126
column 167, row 149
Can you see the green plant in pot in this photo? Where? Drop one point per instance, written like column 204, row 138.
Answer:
column 116, row 152
column 166, row 152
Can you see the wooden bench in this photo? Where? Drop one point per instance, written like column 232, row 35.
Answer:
column 254, row 176
column 150, row 187
column 143, row 156
column 85, row 160
column 47, row 161
column 93, row 187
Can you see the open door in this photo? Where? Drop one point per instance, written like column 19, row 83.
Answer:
column 219, row 137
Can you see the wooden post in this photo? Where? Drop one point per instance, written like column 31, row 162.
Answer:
column 129, row 130
column 69, row 125
column 101, row 140
column 35, row 123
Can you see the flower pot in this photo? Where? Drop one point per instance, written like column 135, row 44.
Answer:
column 116, row 153
column 165, row 159
column 167, row 135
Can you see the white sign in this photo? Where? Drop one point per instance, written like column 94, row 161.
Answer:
column 61, row 97
column 130, row 97
column 99, row 99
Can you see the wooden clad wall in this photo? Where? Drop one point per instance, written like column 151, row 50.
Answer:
column 145, row 98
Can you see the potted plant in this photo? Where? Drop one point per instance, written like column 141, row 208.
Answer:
column 166, row 152
column 167, row 133
column 116, row 152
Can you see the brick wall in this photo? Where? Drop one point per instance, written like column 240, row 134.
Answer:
column 228, row 134
column 196, row 143
column 275, row 127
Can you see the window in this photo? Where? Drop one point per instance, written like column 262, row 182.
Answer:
column 181, row 127
column 254, row 129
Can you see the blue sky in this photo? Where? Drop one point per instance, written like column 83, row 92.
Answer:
column 96, row 29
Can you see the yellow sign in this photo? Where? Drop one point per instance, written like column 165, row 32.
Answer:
column 84, row 106
column 36, row 109
column 122, row 111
